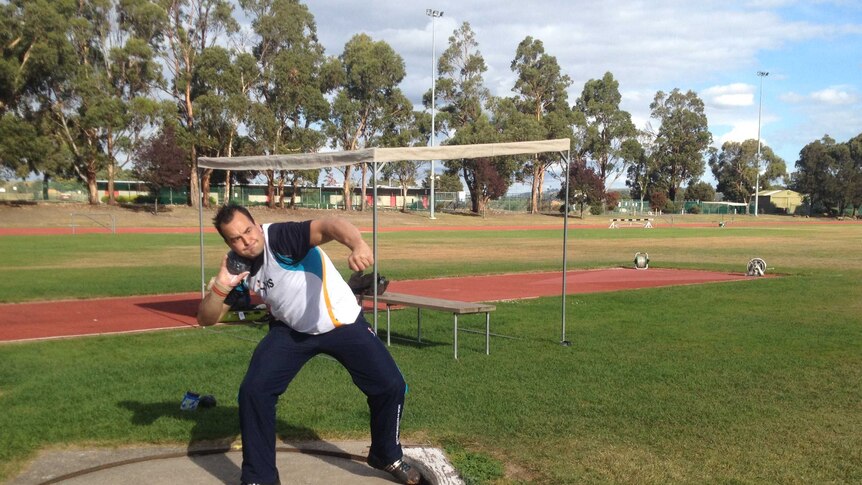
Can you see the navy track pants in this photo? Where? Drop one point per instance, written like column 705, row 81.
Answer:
column 276, row 361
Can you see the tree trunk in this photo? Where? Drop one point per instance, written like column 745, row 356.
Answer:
column 227, row 187
column 111, row 170
column 206, row 186
column 270, row 189
column 534, row 189
column 346, row 190
column 194, row 187
column 92, row 189
column 541, row 184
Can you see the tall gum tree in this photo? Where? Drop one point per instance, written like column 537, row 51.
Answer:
column 830, row 174
column 735, row 170
column 463, row 96
column 36, row 56
column 290, row 93
column 608, row 135
column 682, row 139
column 541, row 90
column 367, row 103
column 189, row 27
column 222, row 83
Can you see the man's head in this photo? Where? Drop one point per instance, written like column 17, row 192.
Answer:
column 239, row 231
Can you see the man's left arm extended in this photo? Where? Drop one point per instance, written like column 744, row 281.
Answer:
column 338, row 229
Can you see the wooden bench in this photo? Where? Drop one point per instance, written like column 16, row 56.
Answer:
column 645, row 223
column 439, row 304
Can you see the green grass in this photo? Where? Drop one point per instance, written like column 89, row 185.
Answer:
column 746, row 382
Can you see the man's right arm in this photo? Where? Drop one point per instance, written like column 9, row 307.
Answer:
column 212, row 308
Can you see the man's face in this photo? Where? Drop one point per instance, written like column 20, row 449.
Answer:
column 243, row 236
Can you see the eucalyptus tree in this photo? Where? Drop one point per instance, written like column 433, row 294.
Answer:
column 460, row 86
column 682, row 138
column 36, row 54
column 463, row 96
column 408, row 131
column 700, row 190
column 129, row 47
column 541, row 94
column 642, row 175
column 295, row 77
column 854, row 192
column 221, row 87
column 368, row 103
column 189, row 27
column 829, row 173
column 608, row 136
column 735, row 169
column 54, row 80
column 486, row 178
column 80, row 76
column 446, row 182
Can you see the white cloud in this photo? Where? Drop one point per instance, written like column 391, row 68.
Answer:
column 729, row 96
column 743, row 130
column 831, row 96
column 834, row 96
column 792, row 98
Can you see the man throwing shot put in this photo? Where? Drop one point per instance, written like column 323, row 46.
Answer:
column 314, row 312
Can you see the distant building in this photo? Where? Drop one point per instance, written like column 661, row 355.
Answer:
column 783, row 201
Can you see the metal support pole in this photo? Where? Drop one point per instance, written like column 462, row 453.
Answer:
column 456, row 336
column 374, row 242
column 201, row 230
column 563, row 340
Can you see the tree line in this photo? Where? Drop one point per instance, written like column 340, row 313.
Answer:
column 95, row 87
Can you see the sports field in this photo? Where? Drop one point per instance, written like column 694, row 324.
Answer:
column 756, row 381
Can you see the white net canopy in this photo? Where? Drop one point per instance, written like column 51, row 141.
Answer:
column 308, row 161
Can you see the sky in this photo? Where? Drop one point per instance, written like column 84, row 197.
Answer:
column 811, row 49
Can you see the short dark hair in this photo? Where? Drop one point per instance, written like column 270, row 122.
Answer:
column 226, row 213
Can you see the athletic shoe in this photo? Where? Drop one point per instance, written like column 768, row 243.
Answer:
column 399, row 469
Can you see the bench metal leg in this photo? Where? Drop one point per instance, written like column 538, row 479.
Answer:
column 388, row 332
column 456, row 336
column 487, row 333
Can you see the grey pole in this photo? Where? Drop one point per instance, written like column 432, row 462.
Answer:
column 761, row 75
column 566, row 158
column 433, row 14
column 374, row 241
column 201, row 230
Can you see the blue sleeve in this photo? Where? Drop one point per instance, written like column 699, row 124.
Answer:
column 290, row 241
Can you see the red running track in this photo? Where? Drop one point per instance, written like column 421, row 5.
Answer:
column 57, row 319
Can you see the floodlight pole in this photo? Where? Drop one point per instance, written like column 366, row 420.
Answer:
column 433, row 14
column 761, row 75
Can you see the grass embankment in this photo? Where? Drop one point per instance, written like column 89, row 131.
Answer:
column 754, row 381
